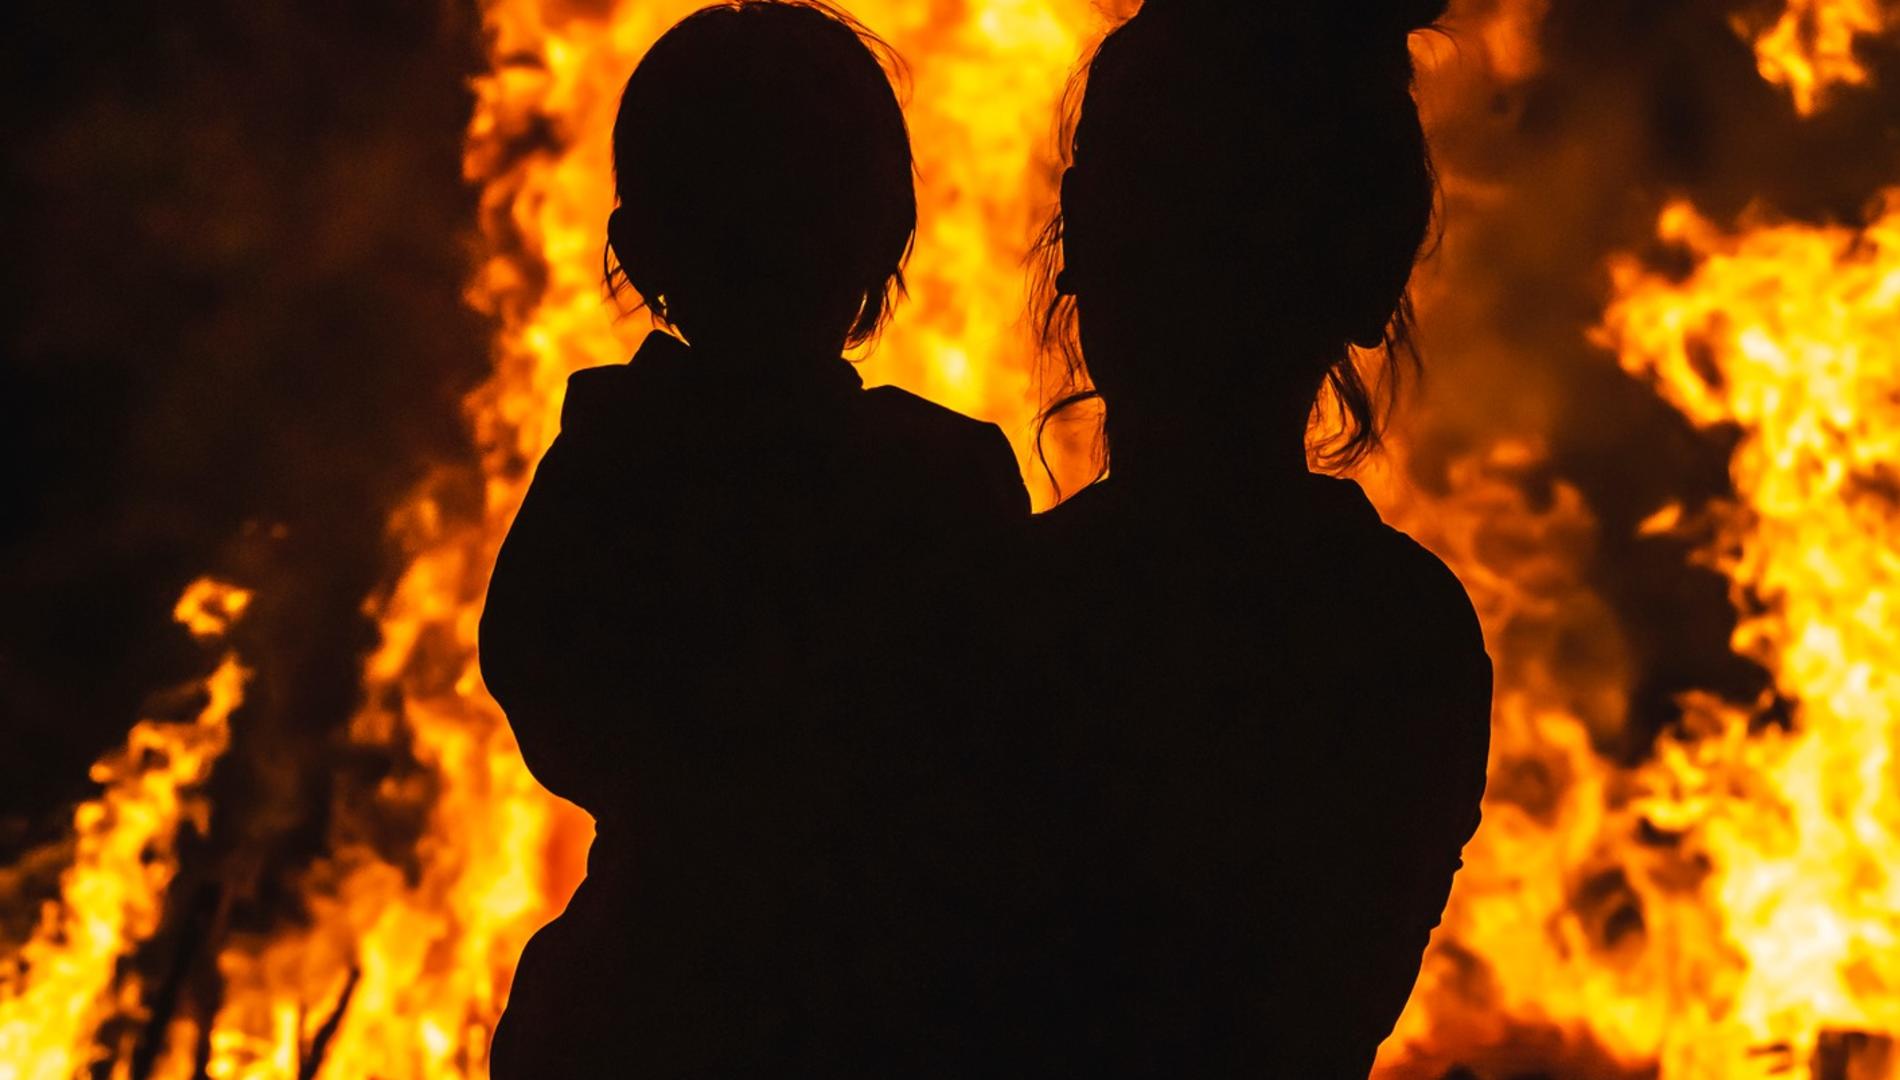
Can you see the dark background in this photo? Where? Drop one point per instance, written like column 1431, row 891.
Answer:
column 235, row 236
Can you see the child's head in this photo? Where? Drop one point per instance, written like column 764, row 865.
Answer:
column 764, row 176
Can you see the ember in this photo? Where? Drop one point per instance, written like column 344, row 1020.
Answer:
column 1722, row 903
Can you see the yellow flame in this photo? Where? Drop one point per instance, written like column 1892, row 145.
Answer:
column 427, row 948
column 1810, row 49
column 1759, row 923
column 1730, row 908
column 1792, row 334
column 64, row 982
column 984, row 81
column 208, row 607
column 1533, row 967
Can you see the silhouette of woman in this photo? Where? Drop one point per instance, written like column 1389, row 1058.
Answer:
column 725, row 619
column 1274, row 711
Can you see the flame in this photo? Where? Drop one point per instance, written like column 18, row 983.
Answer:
column 64, row 982
column 1810, row 49
column 1791, row 333
column 1724, row 910
column 403, row 965
column 984, row 79
column 1730, row 908
column 1534, row 964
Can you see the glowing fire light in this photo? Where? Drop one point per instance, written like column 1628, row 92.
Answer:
column 399, row 971
column 1730, row 908
column 1792, row 334
column 1811, row 47
column 1726, row 910
column 64, row 982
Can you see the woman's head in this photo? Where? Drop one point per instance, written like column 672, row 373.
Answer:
column 1248, row 193
column 764, row 175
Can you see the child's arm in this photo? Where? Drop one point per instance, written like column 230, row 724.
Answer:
column 539, row 654
column 588, row 637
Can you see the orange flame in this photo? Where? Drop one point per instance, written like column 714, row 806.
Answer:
column 984, row 81
column 1533, row 966
column 1730, row 908
column 1810, row 49
column 1725, row 910
column 64, row 983
column 1792, row 334
column 419, row 956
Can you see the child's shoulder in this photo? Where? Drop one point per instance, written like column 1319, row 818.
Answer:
column 900, row 414
column 607, row 397
column 967, row 456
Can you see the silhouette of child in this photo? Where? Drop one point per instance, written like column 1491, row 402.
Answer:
column 733, row 600
column 1274, row 714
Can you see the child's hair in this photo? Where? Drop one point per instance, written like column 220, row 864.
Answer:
column 1281, row 145
column 760, row 144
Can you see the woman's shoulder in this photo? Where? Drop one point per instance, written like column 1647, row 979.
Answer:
column 1417, row 592
column 1317, row 545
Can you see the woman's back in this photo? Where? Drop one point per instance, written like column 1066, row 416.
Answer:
column 1273, row 709
column 1275, row 737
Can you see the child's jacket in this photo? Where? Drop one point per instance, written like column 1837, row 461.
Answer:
column 736, row 620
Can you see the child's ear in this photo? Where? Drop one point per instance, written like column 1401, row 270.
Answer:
column 627, row 236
